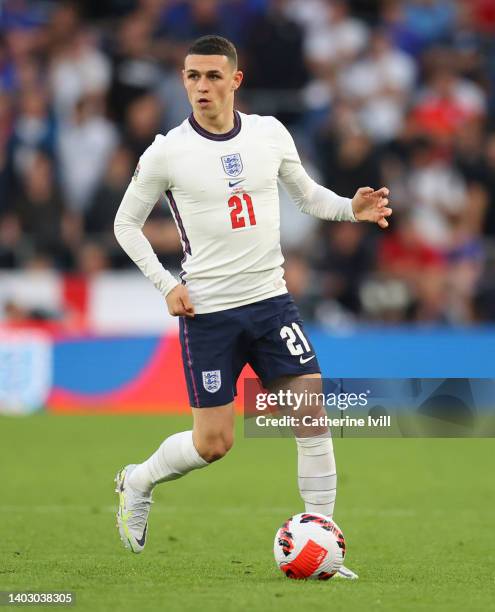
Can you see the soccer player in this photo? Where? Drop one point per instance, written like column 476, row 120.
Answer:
column 219, row 171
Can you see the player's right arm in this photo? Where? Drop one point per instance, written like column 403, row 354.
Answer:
column 149, row 181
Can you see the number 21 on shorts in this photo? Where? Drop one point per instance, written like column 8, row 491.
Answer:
column 241, row 211
column 295, row 348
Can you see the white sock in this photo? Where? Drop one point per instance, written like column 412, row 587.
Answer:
column 176, row 456
column 317, row 476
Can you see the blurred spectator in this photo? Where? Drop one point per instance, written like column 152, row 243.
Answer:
column 23, row 41
column 488, row 182
column 447, row 101
column 6, row 120
column 33, row 130
column 468, row 43
column 484, row 11
column 437, row 195
column 430, row 20
column 318, row 97
column 469, row 150
column 307, row 14
column 393, row 20
column 417, row 271
column 7, row 68
column 344, row 258
column 348, row 162
column 466, row 261
column 175, row 105
column 404, row 255
column 84, row 147
column 39, row 206
column 337, row 38
column 380, row 84
column 92, row 259
column 100, row 215
column 143, row 122
column 78, row 68
column 64, row 25
column 30, row 76
column 273, row 52
column 185, row 21
column 301, row 283
column 469, row 160
column 135, row 71
column 10, row 241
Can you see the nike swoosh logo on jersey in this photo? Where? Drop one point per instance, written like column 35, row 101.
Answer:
column 234, row 183
column 302, row 360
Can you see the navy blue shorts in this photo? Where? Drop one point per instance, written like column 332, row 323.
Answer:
column 268, row 335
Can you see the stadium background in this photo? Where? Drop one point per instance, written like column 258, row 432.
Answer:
column 396, row 93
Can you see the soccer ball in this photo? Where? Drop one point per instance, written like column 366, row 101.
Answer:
column 309, row 545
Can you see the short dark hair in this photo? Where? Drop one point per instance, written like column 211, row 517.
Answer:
column 214, row 45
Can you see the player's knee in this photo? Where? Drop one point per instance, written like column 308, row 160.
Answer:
column 214, row 452
column 215, row 447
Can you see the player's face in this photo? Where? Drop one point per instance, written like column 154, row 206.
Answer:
column 210, row 81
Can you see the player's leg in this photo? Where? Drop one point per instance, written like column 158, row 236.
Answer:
column 213, row 431
column 316, row 469
column 179, row 454
column 208, row 357
column 174, row 458
column 283, row 357
column 211, row 438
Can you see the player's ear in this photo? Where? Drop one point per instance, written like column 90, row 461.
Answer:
column 238, row 76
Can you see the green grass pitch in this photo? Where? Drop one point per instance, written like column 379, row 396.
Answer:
column 418, row 516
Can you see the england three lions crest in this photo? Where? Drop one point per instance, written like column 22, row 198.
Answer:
column 232, row 164
column 212, row 380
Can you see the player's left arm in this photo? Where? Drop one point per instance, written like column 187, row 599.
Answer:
column 318, row 201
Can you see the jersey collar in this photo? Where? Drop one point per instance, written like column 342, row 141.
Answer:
column 218, row 137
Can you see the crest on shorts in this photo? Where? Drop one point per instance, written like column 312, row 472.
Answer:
column 136, row 172
column 232, row 164
column 212, row 380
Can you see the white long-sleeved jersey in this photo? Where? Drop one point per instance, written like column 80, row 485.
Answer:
column 222, row 189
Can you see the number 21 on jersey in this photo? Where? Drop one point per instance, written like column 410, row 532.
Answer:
column 241, row 211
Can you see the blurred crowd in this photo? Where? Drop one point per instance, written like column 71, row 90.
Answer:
column 393, row 92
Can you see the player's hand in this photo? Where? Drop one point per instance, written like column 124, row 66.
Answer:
column 179, row 303
column 371, row 205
